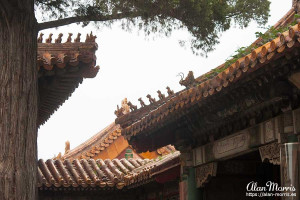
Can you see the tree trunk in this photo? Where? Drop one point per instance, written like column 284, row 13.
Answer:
column 18, row 100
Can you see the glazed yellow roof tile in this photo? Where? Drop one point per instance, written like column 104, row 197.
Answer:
column 95, row 144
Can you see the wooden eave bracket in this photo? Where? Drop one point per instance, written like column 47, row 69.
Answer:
column 295, row 79
column 205, row 172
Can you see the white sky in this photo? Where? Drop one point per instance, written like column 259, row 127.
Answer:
column 132, row 66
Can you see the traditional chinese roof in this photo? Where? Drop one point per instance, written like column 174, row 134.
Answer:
column 62, row 66
column 93, row 147
column 102, row 173
column 166, row 150
column 95, row 144
column 157, row 115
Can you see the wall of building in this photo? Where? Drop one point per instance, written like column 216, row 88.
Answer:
column 117, row 150
column 113, row 150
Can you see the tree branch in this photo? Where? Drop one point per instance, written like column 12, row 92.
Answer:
column 78, row 19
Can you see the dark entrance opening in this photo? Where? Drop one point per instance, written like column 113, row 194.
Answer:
column 235, row 174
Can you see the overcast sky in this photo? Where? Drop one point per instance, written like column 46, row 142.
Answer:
column 132, row 66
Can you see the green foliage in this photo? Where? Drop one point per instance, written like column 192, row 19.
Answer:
column 56, row 9
column 241, row 52
column 204, row 19
column 215, row 72
column 271, row 34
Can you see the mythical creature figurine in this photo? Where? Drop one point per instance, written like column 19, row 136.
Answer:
column 58, row 40
column 151, row 100
column 131, row 106
column 90, row 38
column 49, row 39
column 160, row 95
column 125, row 106
column 69, row 39
column 40, row 38
column 77, row 39
column 119, row 111
column 170, row 92
column 189, row 81
column 142, row 102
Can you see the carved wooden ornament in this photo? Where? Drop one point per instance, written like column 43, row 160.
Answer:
column 270, row 152
column 204, row 173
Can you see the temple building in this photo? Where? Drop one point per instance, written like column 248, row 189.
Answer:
column 106, row 166
column 237, row 127
column 229, row 132
column 110, row 144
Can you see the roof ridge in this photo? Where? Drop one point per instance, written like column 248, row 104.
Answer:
column 202, row 78
column 61, row 68
column 264, row 53
column 97, row 138
column 89, row 38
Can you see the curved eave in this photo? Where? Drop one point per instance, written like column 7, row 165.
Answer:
column 61, row 68
column 238, row 71
column 102, row 173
